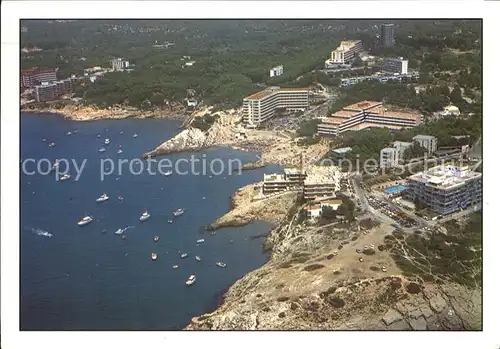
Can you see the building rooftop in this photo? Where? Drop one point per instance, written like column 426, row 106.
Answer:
column 445, row 177
column 423, row 137
column 293, row 171
column 345, row 113
column 388, row 150
column 402, row 143
column 313, row 207
column 332, row 202
column 363, row 105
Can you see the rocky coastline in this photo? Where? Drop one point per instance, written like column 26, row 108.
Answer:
column 92, row 113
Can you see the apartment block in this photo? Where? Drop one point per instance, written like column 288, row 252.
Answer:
column 36, row 76
column 323, row 184
column 388, row 158
column 119, row 64
column 366, row 114
column 428, row 142
column 446, row 189
column 291, row 179
column 260, row 106
column 276, row 71
column 395, row 65
column 401, row 147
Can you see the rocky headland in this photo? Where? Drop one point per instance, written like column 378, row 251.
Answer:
column 92, row 113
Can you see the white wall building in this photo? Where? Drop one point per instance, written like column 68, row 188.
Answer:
column 401, row 147
column 388, row 157
column 428, row 142
column 276, row 71
column 119, row 64
column 449, row 111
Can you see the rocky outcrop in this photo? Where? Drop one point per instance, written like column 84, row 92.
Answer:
column 191, row 139
column 246, row 209
column 92, row 113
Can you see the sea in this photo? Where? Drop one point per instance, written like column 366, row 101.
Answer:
column 88, row 278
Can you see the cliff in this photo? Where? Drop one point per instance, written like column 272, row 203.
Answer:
column 191, row 139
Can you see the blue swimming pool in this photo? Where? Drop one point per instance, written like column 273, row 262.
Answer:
column 395, row 189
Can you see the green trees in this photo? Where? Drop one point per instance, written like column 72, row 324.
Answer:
column 414, row 151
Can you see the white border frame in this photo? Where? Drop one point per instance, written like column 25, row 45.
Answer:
column 13, row 11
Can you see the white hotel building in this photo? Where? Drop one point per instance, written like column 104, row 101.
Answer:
column 260, row 106
column 345, row 53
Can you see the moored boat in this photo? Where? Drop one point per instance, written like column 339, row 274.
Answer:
column 65, row 177
column 156, row 238
column 119, row 151
column 52, row 144
column 170, row 221
column 102, row 150
column 69, row 133
column 102, row 198
column 200, row 241
column 154, row 256
column 220, row 264
column 144, row 216
column 178, row 212
column 135, row 135
column 175, row 266
column 106, row 141
column 85, row 220
column 168, row 173
column 198, row 258
column 119, row 231
column 191, row 280
column 184, row 255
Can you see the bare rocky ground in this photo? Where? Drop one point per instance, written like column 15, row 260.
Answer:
column 315, row 281
column 244, row 209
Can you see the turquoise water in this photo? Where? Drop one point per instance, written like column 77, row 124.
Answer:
column 394, row 189
column 87, row 278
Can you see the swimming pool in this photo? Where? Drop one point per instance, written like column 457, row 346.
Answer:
column 395, row 189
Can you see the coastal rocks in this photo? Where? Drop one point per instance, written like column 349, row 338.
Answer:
column 245, row 209
column 191, row 139
column 391, row 316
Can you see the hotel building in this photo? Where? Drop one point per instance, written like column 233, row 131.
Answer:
column 345, row 53
column 260, row 106
column 363, row 115
column 36, row 76
column 292, row 178
column 446, row 189
column 323, row 184
column 401, row 147
column 387, row 35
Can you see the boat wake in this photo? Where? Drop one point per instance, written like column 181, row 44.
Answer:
column 41, row 232
column 121, row 231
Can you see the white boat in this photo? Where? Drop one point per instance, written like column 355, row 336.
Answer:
column 56, row 165
column 178, row 212
column 102, row 150
column 175, row 266
column 119, row 231
column 168, row 173
column 52, row 144
column 135, row 135
column 65, row 177
column 200, row 241
column 119, row 151
column 191, row 280
column 69, row 133
column 156, row 238
column 98, row 136
column 144, row 216
column 220, row 264
column 121, row 132
column 154, row 256
column 198, row 258
column 85, row 220
column 170, row 221
column 44, row 140
column 102, row 198
column 106, row 141
column 184, row 255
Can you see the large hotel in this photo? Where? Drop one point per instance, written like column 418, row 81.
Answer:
column 345, row 53
column 366, row 114
column 260, row 106
column 446, row 189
